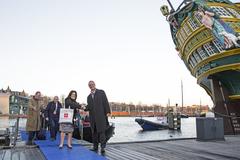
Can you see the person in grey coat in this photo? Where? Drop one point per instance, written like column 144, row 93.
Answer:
column 99, row 110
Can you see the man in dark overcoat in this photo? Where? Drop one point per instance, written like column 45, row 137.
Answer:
column 99, row 110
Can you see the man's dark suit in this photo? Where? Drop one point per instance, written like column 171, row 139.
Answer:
column 98, row 108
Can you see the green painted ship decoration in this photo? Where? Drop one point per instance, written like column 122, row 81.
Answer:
column 206, row 34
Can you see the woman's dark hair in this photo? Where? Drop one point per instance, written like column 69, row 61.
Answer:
column 70, row 93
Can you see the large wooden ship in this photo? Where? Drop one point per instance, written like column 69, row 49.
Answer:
column 206, row 34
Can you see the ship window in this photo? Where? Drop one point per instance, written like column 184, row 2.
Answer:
column 201, row 36
column 209, row 49
column 184, row 36
column 197, row 57
column 234, row 25
column 234, row 12
column 188, row 47
column 180, row 39
column 218, row 45
column 194, row 62
column 202, row 53
column 191, row 63
column 198, row 18
column 187, row 29
column 193, row 24
column 206, row 33
column 221, row 11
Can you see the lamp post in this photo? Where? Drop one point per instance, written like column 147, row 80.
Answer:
column 182, row 93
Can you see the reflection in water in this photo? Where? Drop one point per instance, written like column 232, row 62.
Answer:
column 6, row 122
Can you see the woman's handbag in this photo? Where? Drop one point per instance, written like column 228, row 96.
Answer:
column 66, row 115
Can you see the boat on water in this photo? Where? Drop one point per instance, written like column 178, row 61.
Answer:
column 184, row 116
column 150, row 125
column 206, row 34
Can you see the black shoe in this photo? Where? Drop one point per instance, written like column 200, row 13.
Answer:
column 94, row 149
column 102, row 150
column 29, row 143
column 69, row 147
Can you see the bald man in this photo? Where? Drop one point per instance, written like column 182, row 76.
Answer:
column 52, row 115
column 99, row 110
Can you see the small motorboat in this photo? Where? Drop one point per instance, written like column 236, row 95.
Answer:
column 150, row 125
column 184, row 116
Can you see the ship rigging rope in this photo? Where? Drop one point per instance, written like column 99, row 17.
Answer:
column 224, row 115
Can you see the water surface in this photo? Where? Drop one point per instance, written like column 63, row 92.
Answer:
column 127, row 130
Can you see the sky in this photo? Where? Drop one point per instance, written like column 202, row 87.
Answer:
column 125, row 46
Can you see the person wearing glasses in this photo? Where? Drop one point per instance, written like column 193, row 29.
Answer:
column 52, row 116
column 99, row 110
column 71, row 103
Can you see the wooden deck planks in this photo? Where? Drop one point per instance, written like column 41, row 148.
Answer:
column 24, row 153
column 177, row 150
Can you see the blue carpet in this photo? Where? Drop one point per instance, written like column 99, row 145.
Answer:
column 24, row 135
column 51, row 151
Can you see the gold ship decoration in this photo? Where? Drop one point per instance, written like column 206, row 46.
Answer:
column 206, row 34
column 193, row 36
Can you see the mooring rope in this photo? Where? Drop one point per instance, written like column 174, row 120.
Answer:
column 224, row 115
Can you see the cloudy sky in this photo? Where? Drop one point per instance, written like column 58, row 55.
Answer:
column 123, row 45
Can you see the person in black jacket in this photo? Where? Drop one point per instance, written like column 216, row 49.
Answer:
column 99, row 110
column 52, row 116
column 70, row 102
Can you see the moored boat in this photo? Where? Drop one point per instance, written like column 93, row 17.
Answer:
column 184, row 116
column 150, row 125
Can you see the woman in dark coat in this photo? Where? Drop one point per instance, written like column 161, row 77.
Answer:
column 70, row 102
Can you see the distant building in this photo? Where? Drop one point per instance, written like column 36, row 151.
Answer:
column 15, row 93
column 12, row 102
column 123, row 109
column 4, row 103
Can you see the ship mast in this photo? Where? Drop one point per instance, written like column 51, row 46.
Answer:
column 170, row 4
